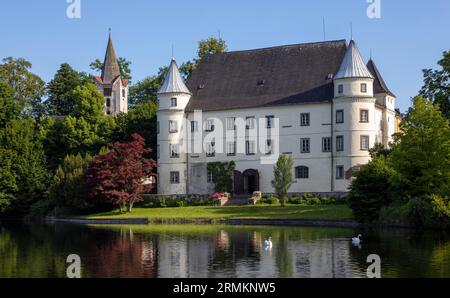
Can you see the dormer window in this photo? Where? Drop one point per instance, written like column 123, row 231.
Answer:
column 173, row 102
column 340, row 89
column 363, row 88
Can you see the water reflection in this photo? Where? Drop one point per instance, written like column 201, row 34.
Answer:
column 39, row 250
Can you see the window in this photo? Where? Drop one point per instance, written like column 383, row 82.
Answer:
column 209, row 125
column 173, row 126
column 364, row 143
column 157, row 127
column 302, row 172
column 304, row 145
column 158, row 155
column 340, row 172
column 326, row 144
column 108, row 102
column 250, row 123
column 340, row 116
column 230, row 123
column 210, row 149
column 194, row 126
column 174, row 150
column 231, row 148
column 107, row 91
column 364, row 116
column 339, row 143
column 304, row 119
column 340, row 89
column 363, row 88
column 174, row 177
column 269, row 147
column 209, row 177
column 173, row 102
column 250, row 147
column 269, row 121
column 124, row 93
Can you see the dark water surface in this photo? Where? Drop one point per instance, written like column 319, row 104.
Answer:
column 40, row 250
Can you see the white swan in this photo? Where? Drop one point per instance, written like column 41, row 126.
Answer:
column 268, row 243
column 357, row 240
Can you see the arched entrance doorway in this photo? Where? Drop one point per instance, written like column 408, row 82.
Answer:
column 251, row 181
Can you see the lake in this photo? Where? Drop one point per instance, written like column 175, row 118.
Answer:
column 40, row 250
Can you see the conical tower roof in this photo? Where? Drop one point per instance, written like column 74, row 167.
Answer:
column 173, row 82
column 111, row 69
column 379, row 86
column 353, row 65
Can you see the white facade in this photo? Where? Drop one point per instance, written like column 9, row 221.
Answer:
column 329, row 143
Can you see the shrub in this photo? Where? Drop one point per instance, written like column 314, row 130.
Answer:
column 313, row 201
column 42, row 208
column 419, row 212
column 269, row 200
column 371, row 190
column 296, row 201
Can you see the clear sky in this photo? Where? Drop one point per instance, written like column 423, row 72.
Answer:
column 409, row 36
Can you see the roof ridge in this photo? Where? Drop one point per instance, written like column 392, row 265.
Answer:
column 283, row 46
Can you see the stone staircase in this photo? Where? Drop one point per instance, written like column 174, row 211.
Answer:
column 238, row 200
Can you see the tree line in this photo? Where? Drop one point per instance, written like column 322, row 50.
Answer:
column 52, row 134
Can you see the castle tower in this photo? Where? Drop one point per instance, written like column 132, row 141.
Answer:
column 354, row 127
column 111, row 84
column 173, row 98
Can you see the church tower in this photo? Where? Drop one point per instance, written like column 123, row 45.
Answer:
column 354, row 127
column 111, row 84
column 173, row 98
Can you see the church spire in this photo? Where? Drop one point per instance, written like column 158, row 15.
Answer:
column 353, row 65
column 173, row 82
column 111, row 69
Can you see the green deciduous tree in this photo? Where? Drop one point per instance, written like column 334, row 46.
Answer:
column 437, row 85
column 421, row 155
column 61, row 99
column 283, row 177
column 69, row 188
column 28, row 88
column 371, row 190
column 222, row 175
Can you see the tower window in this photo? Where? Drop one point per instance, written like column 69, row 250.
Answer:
column 364, row 143
column 363, row 88
column 173, row 126
column 174, row 151
column 304, row 145
column 340, row 89
column 157, row 127
column 364, row 116
column 339, row 143
column 304, row 119
column 124, row 93
column 174, row 177
column 108, row 102
column 173, row 102
column 302, row 172
column 107, row 91
column 340, row 172
column 209, row 177
column 340, row 116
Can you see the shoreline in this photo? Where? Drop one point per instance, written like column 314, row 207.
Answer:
column 230, row 221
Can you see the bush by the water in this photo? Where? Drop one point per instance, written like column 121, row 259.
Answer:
column 371, row 190
column 305, row 199
column 165, row 203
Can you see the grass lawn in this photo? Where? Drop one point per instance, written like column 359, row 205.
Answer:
column 317, row 212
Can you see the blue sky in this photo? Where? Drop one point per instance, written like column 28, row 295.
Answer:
column 411, row 35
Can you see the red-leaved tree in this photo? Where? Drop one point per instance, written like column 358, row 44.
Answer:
column 117, row 177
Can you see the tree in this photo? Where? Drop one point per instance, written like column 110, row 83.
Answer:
column 141, row 119
column 9, row 107
column 222, row 175
column 28, row 88
column 437, row 85
column 69, row 183
column 283, row 178
column 124, row 66
column 379, row 150
column 371, row 190
column 421, row 155
column 117, row 176
column 61, row 99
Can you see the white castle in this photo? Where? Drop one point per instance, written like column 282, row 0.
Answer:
column 319, row 101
